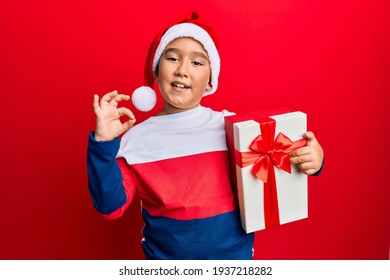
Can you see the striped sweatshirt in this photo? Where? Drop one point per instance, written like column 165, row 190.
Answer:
column 179, row 167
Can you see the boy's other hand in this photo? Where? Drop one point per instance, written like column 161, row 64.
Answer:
column 108, row 124
column 308, row 158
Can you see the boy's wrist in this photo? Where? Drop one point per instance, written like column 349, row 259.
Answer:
column 318, row 172
column 100, row 138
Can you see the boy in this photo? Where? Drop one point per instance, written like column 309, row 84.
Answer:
column 176, row 161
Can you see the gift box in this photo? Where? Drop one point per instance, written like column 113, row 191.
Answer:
column 269, row 189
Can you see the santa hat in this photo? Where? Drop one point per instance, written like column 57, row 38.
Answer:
column 190, row 25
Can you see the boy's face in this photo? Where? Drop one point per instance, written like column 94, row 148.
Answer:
column 183, row 75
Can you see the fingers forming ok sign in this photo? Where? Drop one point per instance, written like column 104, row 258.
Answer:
column 108, row 123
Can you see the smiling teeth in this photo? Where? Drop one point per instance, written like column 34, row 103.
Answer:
column 180, row 86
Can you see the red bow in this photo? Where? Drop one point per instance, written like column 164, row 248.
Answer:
column 264, row 157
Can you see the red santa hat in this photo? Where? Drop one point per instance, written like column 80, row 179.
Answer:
column 190, row 25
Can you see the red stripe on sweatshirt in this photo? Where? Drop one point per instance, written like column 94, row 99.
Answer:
column 184, row 188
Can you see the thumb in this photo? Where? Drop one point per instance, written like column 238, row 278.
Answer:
column 309, row 137
column 128, row 124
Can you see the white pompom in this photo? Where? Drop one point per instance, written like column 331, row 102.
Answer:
column 144, row 98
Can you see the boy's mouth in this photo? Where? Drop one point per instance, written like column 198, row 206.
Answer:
column 178, row 85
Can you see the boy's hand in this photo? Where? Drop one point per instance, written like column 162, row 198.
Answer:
column 308, row 158
column 108, row 124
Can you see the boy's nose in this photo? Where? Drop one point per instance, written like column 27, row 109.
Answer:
column 181, row 70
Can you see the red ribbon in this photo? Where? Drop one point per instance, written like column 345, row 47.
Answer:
column 267, row 152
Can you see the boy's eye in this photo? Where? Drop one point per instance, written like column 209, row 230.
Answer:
column 197, row 63
column 172, row 58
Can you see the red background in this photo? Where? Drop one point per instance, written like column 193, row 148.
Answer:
column 330, row 59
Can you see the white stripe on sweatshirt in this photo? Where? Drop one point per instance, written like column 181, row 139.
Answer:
column 176, row 135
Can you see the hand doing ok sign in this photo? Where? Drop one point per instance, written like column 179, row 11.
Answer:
column 108, row 123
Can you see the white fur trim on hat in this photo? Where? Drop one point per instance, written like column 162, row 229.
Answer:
column 144, row 98
column 199, row 34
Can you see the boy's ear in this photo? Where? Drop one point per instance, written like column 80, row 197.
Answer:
column 209, row 86
column 155, row 76
column 155, row 73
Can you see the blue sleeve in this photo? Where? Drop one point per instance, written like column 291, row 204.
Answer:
column 104, row 175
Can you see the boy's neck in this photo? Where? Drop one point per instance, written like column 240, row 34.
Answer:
column 169, row 110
